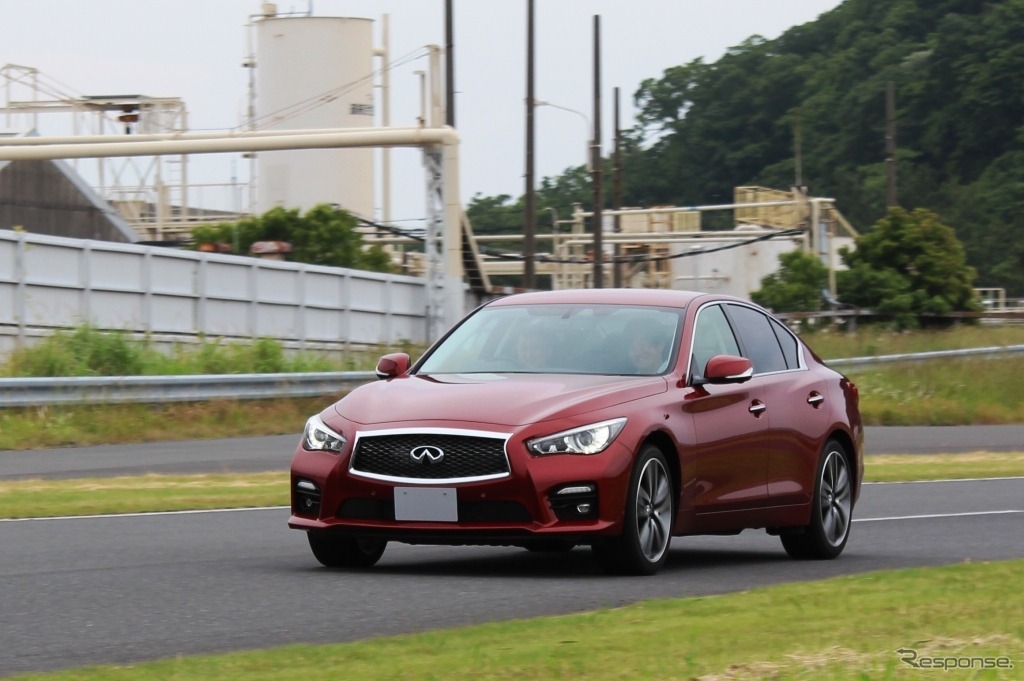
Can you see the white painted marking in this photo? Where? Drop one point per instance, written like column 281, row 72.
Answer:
column 936, row 515
column 922, row 482
column 145, row 515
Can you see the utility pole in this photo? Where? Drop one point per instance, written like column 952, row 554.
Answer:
column 617, row 193
column 529, row 209
column 596, row 155
column 890, row 145
column 449, row 51
column 798, row 153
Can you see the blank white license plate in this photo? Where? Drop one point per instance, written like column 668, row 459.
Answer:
column 434, row 504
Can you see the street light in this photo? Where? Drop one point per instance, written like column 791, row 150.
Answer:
column 586, row 122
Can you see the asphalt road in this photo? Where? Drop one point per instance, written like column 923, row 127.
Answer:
column 129, row 588
column 274, row 453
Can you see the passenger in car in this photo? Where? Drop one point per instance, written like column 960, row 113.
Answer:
column 648, row 348
column 533, row 351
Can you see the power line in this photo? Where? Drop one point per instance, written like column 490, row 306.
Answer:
column 540, row 257
column 642, row 258
column 392, row 230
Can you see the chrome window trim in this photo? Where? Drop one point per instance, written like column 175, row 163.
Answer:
column 693, row 337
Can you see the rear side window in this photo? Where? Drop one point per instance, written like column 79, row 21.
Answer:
column 758, row 339
column 790, row 349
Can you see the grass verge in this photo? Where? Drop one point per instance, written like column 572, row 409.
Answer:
column 871, row 340
column 150, row 493
column 71, row 425
column 955, row 392
column 140, row 494
column 903, row 467
column 843, row 628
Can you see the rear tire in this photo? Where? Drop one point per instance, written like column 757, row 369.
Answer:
column 831, row 509
column 642, row 548
column 344, row 551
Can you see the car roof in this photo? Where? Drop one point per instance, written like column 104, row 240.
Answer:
column 610, row 296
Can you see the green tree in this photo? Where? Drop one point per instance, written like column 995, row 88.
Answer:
column 495, row 214
column 908, row 266
column 796, row 286
column 321, row 236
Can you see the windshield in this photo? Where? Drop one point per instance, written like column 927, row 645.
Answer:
column 577, row 339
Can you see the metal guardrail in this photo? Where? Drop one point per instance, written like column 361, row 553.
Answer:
column 32, row 392
column 920, row 356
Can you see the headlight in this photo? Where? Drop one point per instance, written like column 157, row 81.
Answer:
column 584, row 440
column 318, row 437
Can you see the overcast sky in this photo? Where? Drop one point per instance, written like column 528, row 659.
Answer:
column 193, row 49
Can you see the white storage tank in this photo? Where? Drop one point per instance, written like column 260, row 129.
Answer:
column 314, row 72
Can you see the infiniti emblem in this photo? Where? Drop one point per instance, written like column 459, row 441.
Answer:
column 426, row 454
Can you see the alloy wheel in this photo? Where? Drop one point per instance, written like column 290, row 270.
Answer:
column 835, row 500
column 654, row 510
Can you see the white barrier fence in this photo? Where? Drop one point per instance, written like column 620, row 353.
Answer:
column 49, row 283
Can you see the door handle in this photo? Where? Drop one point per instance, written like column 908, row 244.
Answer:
column 757, row 407
column 815, row 399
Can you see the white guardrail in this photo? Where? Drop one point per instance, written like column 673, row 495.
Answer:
column 920, row 356
column 30, row 392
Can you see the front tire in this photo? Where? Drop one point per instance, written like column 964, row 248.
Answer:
column 831, row 509
column 642, row 548
column 343, row 551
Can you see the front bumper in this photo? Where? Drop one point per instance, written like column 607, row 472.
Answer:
column 524, row 505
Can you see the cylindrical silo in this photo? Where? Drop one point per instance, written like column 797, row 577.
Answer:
column 314, row 72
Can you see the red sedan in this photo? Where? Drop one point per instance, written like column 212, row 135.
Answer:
column 611, row 418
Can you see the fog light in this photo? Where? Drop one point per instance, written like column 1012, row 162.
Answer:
column 575, row 501
column 306, row 498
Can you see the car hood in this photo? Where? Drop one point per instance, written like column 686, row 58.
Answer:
column 498, row 399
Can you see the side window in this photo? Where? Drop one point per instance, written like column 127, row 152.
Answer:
column 711, row 336
column 789, row 345
column 758, row 338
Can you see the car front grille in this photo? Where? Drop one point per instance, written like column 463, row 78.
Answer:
column 463, row 457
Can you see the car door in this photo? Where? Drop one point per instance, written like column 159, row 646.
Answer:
column 730, row 425
column 793, row 399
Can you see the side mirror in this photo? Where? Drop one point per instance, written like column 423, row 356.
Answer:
column 728, row 369
column 390, row 366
